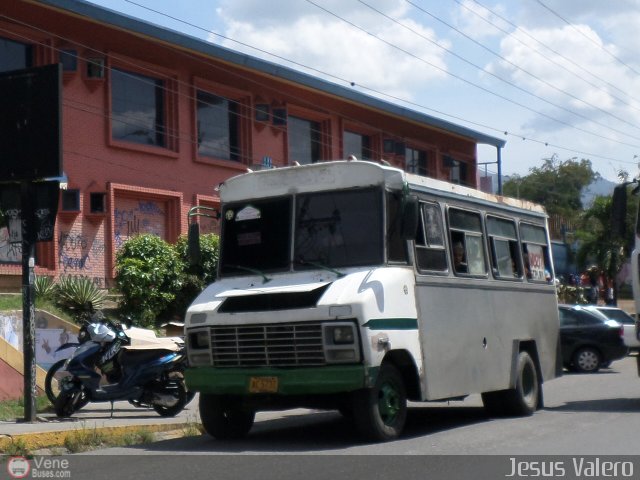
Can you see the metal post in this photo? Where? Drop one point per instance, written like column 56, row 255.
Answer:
column 499, row 160
column 28, row 298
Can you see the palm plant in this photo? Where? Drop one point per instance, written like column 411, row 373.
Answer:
column 79, row 295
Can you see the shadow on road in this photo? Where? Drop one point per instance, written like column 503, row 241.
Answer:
column 320, row 431
column 619, row 405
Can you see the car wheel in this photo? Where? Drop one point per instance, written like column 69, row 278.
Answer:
column 587, row 360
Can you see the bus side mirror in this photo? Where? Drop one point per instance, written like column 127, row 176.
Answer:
column 410, row 217
column 193, row 244
column 619, row 210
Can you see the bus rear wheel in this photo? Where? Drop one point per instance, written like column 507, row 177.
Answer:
column 223, row 419
column 381, row 412
column 522, row 400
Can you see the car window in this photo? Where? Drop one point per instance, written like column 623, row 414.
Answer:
column 567, row 318
column 586, row 318
column 618, row 315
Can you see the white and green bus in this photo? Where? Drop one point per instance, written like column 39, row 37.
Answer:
column 355, row 286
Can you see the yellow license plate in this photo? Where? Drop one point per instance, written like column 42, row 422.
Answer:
column 263, row 384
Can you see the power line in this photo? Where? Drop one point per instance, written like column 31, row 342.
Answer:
column 600, row 46
column 395, row 97
column 554, row 51
column 215, row 66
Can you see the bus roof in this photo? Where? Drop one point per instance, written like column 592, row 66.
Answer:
column 342, row 174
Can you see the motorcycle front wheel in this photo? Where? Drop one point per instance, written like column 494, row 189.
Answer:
column 181, row 399
column 70, row 401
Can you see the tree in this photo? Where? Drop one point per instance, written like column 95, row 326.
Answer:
column 556, row 184
column 598, row 244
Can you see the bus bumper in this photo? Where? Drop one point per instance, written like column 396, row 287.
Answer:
column 279, row 381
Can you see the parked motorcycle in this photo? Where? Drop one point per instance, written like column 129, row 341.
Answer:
column 117, row 364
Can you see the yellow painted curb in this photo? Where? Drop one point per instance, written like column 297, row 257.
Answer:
column 40, row 440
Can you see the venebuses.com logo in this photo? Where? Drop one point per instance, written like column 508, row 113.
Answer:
column 18, row 467
column 38, row 467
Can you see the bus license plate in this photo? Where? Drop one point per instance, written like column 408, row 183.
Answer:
column 263, row 385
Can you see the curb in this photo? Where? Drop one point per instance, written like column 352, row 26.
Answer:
column 42, row 440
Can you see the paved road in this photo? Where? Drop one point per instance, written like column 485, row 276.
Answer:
column 593, row 414
column 585, row 415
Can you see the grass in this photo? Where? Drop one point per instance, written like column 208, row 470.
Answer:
column 84, row 440
column 10, row 410
column 14, row 302
column 17, row 447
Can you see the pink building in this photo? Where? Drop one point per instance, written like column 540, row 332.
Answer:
column 153, row 120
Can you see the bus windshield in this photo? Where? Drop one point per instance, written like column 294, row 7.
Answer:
column 331, row 230
column 338, row 229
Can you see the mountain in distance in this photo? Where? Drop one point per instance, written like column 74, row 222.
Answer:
column 600, row 187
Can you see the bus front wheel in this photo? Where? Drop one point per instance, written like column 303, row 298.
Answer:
column 522, row 400
column 381, row 412
column 223, row 419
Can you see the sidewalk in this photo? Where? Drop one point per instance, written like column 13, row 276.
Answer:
column 50, row 431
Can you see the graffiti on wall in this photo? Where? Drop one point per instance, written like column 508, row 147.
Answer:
column 9, row 252
column 134, row 217
column 81, row 255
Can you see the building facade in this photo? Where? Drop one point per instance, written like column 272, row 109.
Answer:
column 153, row 120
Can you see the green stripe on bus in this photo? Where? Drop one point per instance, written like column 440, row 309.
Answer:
column 392, row 324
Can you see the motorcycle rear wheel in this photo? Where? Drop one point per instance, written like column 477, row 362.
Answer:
column 52, row 382
column 181, row 396
column 69, row 402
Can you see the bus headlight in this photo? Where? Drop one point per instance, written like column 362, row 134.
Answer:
column 342, row 334
column 340, row 342
column 199, row 340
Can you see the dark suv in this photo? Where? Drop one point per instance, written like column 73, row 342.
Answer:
column 589, row 339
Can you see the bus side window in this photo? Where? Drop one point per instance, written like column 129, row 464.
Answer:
column 505, row 259
column 467, row 245
column 535, row 253
column 430, row 251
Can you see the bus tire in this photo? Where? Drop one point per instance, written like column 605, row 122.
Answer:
column 223, row 419
column 380, row 412
column 523, row 399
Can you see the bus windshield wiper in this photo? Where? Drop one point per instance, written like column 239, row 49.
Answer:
column 265, row 279
column 301, row 261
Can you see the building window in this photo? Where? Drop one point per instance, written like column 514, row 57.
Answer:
column 416, row 161
column 14, row 55
column 356, row 144
column 97, row 203
column 69, row 60
column 457, row 170
column 304, row 140
column 71, row 200
column 218, row 127
column 138, row 108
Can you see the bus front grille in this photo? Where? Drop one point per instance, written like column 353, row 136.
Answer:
column 274, row 345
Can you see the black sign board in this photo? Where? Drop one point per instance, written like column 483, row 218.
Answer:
column 30, row 123
column 44, row 197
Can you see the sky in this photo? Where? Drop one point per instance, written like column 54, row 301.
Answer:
column 554, row 78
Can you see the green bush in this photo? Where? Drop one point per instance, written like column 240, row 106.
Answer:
column 79, row 295
column 194, row 279
column 149, row 274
